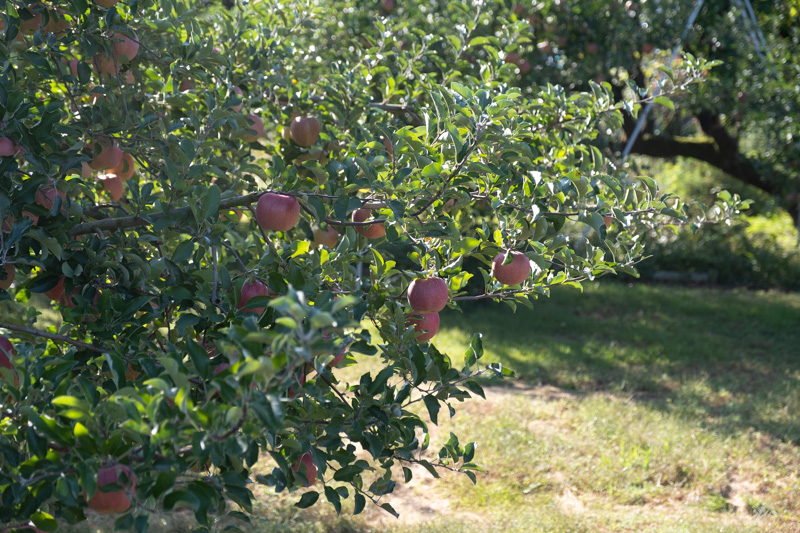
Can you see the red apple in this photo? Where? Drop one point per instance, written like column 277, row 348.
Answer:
column 512, row 57
column 186, row 85
column 425, row 323
column 519, row 10
column 370, row 231
column 125, row 48
column 238, row 92
column 113, row 185
column 56, row 292
column 220, row 368
column 305, row 130
column 10, row 274
column 592, row 48
column 255, row 128
column 126, row 167
column 115, row 501
column 28, row 26
column 7, row 352
column 427, row 295
column 648, row 48
column 46, row 196
column 250, row 289
column 277, row 212
column 525, row 66
column 326, row 237
column 72, row 65
column 7, row 147
column 105, row 64
column 107, row 154
column 311, row 469
column 514, row 272
column 388, row 6
column 57, row 24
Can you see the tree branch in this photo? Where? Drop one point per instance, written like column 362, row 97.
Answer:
column 51, row 336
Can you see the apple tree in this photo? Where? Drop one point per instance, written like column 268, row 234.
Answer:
column 225, row 205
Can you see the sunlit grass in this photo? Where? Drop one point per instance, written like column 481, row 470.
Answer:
column 638, row 408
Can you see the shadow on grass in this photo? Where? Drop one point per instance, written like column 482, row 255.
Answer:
column 728, row 358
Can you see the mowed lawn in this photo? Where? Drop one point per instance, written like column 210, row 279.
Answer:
column 637, row 408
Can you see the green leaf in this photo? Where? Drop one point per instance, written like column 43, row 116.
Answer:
column 360, row 502
column 334, row 498
column 210, row 203
column 308, row 499
column 433, row 407
column 44, row 521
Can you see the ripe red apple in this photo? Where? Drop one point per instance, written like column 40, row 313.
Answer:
column 128, row 77
column 512, row 57
column 29, row 25
column 125, row 48
column 546, row 47
column 370, row 231
column 107, row 154
column 256, row 125
column 425, row 323
column 115, row 501
column 126, row 167
column 186, row 85
column 10, row 274
column 106, row 3
column 236, row 90
column 428, row 295
column 592, row 48
column 388, row 6
column 311, row 468
column 7, row 147
column 113, row 185
column 7, row 351
column 338, row 358
column 105, row 64
column 277, row 212
column 325, row 237
column 56, row 292
column 525, row 66
column 250, row 289
column 513, row 273
column 305, row 130
column 57, row 23
column 72, row 65
column 648, row 48
column 46, row 196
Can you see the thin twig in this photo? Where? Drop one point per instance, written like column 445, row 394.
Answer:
column 51, row 336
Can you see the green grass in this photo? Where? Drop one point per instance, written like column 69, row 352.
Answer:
column 637, row 408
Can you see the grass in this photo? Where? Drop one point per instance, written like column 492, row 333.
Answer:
column 637, row 408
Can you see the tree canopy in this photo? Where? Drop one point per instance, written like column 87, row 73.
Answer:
column 170, row 175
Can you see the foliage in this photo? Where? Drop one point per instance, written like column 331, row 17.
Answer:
column 158, row 365
column 758, row 250
column 744, row 122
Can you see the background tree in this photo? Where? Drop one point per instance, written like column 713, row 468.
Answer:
column 171, row 172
